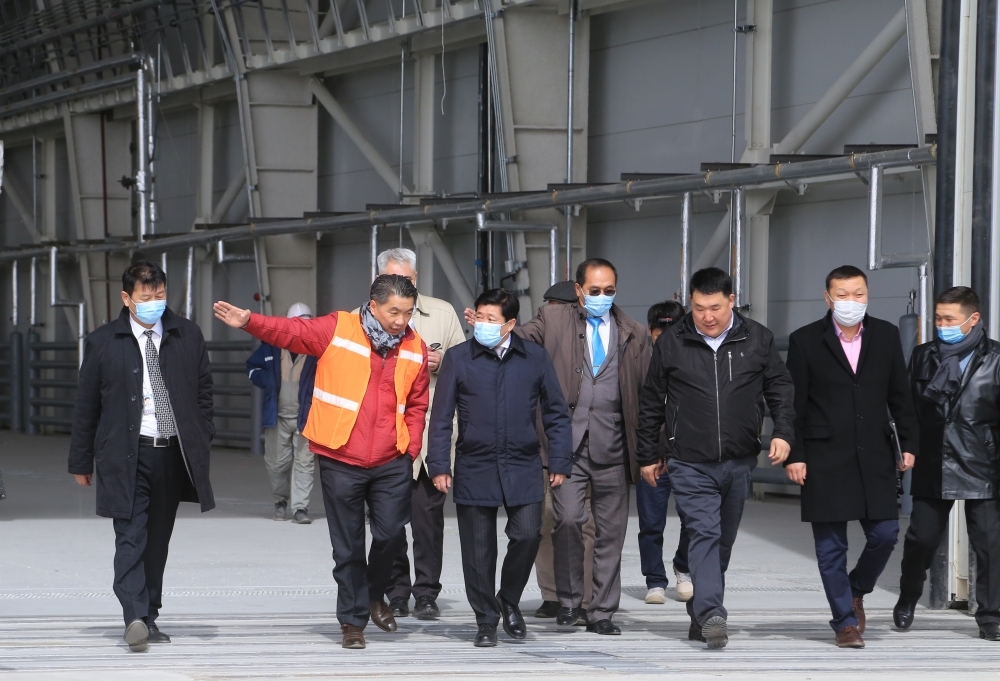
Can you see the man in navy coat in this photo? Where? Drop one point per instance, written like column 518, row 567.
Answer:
column 497, row 382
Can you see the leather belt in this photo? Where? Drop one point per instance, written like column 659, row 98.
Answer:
column 158, row 441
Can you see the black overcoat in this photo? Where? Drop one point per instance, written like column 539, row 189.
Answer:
column 497, row 460
column 958, row 436
column 109, row 410
column 841, row 422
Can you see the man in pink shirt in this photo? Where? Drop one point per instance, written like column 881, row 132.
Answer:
column 850, row 379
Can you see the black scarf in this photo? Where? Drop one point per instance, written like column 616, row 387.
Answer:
column 380, row 339
column 948, row 377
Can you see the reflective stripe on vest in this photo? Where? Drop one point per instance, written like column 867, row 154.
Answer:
column 342, row 376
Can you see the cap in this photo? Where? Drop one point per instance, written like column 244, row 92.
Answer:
column 563, row 292
column 299, row 310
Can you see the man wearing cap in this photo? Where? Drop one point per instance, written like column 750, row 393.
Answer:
column 289, row 462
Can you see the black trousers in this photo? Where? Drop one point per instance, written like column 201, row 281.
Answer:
column 928, row 524
column 141, row 542
column 477, row 531
column 427, row 526
column 347, row 490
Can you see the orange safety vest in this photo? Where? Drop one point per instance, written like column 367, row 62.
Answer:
column 342, row 375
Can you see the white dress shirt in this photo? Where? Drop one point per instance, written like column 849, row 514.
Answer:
column 603, row 330
column 148, row 426
column 714, row 343
column 502, row 347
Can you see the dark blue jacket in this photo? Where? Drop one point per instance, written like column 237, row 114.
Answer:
column 307, row 381
column 264, row 369
column 497, row 461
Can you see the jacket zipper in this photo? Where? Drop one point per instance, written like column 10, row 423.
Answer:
column 730, row 366
column 718, row 403
column 378, row 396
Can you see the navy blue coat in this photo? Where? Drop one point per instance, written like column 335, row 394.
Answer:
column 264, row 370
column 307, row 382
column 497, row 460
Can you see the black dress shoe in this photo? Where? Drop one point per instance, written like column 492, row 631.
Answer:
column 426, row 608
column 400, row 606
column 513, row 621
column 694, row 632
column 156, row 636
column 547, row 610
column 902, row 613
column 486, row 637
column 604, row 628
column 570, row 617
column 990, row 631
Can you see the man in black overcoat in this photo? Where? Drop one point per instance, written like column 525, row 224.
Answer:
column 850, row 376
column 956, row 389
column 144, row 417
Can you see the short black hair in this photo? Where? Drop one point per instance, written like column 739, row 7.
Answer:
column 963, row 295
column 712, row 280
column 844, row 272
column 144, row 272
column 386, row 285
column 581, row 269
column 508, row 303
column 664, row 315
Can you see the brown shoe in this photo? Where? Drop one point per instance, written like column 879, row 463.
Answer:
column 850, row 637
column 382, row 616
column 354, row 637
column 858, row 602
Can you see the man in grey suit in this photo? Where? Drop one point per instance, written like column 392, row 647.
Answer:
column 601, row 357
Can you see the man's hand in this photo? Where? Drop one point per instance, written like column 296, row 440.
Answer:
column 433, row 359
column 231, row 315
column 556, row 479
column 779, row 451
column 908, row 461
column 796, row 472
column 83, row 480
column 442, row 482
column 651, row 472
column 470, row 316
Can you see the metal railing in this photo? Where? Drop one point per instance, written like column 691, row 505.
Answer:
column 51, row 372
column 237, row 402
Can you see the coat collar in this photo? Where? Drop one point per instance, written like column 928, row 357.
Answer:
column 688, row 331
column 516, row 345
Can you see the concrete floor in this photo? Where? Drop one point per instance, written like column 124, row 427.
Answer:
column 247, row 597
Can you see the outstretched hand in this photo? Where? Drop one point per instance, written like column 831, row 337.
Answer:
column 231, row 315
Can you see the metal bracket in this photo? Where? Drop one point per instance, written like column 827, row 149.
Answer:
column 746, row 28
column 514, row 266
column 799, row 187
column 634, row 204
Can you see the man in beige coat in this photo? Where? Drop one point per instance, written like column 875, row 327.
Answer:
column 437, row 323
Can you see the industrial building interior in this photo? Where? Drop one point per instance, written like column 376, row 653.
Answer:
column 264, row 151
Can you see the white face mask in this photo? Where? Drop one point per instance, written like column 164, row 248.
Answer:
column 848, row 312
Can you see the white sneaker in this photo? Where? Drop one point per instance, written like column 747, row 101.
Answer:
column 685, row 587
column 656, row 596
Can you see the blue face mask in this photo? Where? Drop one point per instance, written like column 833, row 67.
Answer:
column 488, row 334
column 952, row 334
column 598, row 306
column 149, row 313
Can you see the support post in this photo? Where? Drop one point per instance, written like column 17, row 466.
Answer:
column 373, row 251
column 686, row 249
column 81, row 328
column 736, row 258
column 15, row 387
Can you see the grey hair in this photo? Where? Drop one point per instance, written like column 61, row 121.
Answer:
column 386, row 285
column 401, row 255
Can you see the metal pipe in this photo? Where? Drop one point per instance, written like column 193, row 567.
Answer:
column 222, row 257
column 189, row 288
column 32, row 320
column 686, row 248
column 488, row 14
column 81, row 307
column 611, row 193
column 402, row 83
column 571, row 72
column 151, row 153
column 875, row 217
column 13, row 294
column 839, row 91
column 142, row 124
column 739, row 226
column 163, row 262
column 736, row 7
column 925, row 319
column 374, row 251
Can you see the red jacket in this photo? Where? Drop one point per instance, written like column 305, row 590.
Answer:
column 373, row 440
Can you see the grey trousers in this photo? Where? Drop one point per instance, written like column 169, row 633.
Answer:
column 545, row 570
column 289, row 463
column 609, row 507
column 710, row 498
